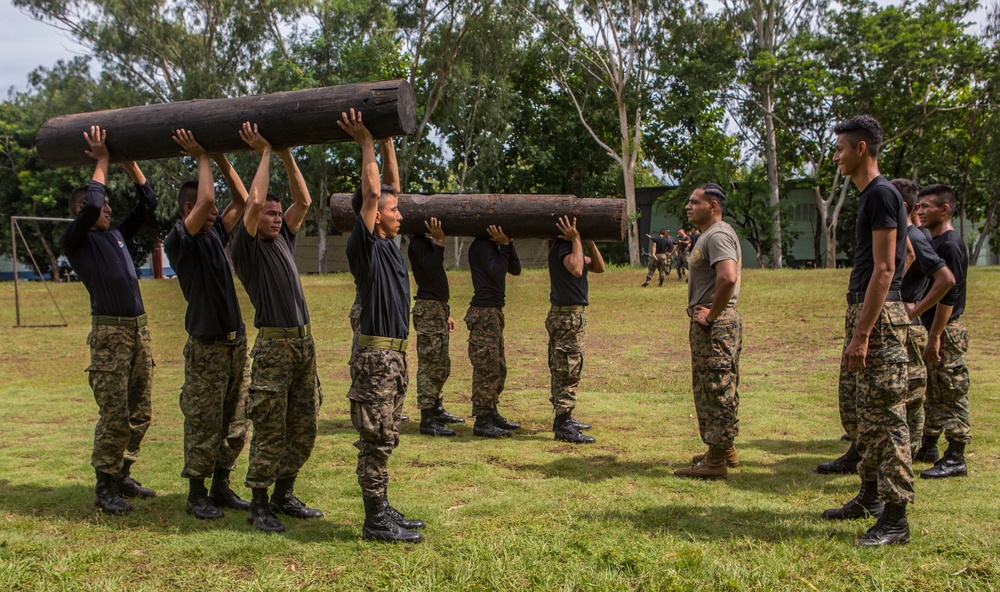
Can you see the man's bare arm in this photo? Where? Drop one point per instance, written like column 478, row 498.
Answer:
column 238, row 191
column 301, row 200
column 261, row 181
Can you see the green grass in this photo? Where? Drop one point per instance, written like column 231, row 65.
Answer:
column 527, row 513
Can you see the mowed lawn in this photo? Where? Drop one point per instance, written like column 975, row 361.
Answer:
column 526, row 513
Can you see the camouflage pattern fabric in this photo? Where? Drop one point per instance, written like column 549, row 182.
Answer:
column 379, row 379
column 430, row 320
column 873, row 407
column 121, row 375
column 486, row 353
column 213, row 401
column 947, row 404
column 916, row 382
column 567, row 344
column 355, row 318
column 658, row 263
column 715, row 377
column 682, row 261
column 283, row 403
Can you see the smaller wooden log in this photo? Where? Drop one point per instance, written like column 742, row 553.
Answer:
column 520, row 216
column 286, row 119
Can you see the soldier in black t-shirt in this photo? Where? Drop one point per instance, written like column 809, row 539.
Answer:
column 121, row 357
column 284, row 396
column 658, row 256
column 566, row 324
column 379, row 373
column 873, row 366
column 213, row 398
column 683, row 252
column 947, row 405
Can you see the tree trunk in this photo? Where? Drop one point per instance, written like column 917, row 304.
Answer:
column 771, row 155
column 831, row 226
column 520, row 216
column 286, row 119
column 987, row 227
column 322, row 223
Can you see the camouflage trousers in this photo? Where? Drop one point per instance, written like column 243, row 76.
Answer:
column 430, row 320
column 213, row 401
column 873, row 404
column 715, row 377
column 660, row 263
column 916, row 382
column 486, row 352
column 121, row 375
column 567, row 344
column 682, row 261
column 947, row 404
column 283, row 403
column 355, row 318
column 379, row 378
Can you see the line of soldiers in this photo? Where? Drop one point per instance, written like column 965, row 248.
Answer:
column 664, row 251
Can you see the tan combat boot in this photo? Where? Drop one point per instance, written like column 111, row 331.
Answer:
column 732, row 458
column 713, row 466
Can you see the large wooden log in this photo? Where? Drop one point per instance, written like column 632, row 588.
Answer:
column 520, row 216
column 286, row 119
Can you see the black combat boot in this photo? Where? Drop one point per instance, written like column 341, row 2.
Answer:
column 565, row 431
column 198, row 504
column 891, row 528
column 865, row 504
column 398, row 517
column 485, row 428
column 952, row 464
column 260, row 513
column 646, row 283
column 844, row 465
column 129, row 487
column 579, row 424
column 106, row 496
column 379, row 526
column 431, row 425
column 222, row 495
column 502, row 422
column 445, row 417
column 283, row 502
column 928, row 451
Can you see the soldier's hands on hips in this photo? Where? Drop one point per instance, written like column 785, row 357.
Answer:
column 700, row 315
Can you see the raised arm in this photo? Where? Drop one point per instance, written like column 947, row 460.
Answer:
column 261, row 181
column 390, row 170
column 574, row 262
column 370, row 186
column 595, row 262
column 238, row 191
column 301, row 200
column 202, row 209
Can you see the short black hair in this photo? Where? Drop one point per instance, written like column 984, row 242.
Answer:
column 942, row 194
column 862, row 127
column 187, row 194
column 385, row 191
column 271, row 197
column 664, row 231
column 908, row 189
column 76, row 197
column 716, row 192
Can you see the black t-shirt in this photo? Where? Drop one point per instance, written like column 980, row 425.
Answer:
column 917, row 279
column 566, row 289
column 383, row 285
column 694, row 240
column 206, row 279
column 880, row 206
column 490, row 262
column 352, row 263
column 683, row 244
column 670, row 244
column 101, row 259
column 950, row 247
column 662, row 246
column 268, row 272
column 427, row 263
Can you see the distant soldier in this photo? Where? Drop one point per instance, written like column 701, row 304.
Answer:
column 121, row 356
column 284, row 395
column 873, row 383
column 716, row 333
column 566, row 324
column 683, row 252
column 659, row 256
column 432, row 321
column 490, row 260
column 947, row 404
column 213, row 398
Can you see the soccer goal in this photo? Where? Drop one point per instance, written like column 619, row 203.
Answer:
column 15, row 232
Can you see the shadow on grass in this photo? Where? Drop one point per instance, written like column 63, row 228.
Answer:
column 163, row 514
column 704, row 522
column 593, row 468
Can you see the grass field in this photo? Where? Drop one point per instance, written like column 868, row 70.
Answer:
column 527, row 513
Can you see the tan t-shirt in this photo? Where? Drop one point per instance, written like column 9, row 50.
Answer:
column 718, row 243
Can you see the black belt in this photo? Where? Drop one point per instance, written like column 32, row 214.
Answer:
column 859, row 297
column 139, row 321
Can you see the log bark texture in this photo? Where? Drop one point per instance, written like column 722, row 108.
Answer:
column 520, row 216
column 286, row 119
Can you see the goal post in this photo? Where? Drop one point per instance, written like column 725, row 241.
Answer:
column 15, row 232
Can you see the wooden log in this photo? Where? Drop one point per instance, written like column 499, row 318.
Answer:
column 286, row 119
column 520, row 216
